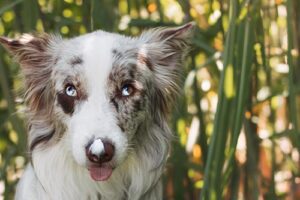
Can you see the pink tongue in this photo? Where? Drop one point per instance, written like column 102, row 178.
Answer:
column 100, row 173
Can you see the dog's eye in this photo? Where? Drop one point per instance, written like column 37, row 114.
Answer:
column 127, row 90
column 71, row 91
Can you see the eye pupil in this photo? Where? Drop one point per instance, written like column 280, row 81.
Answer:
column 126, row 90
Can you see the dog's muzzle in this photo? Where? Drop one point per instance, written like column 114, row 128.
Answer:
column 99, row 153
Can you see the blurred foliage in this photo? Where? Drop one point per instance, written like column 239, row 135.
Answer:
column 237, row 123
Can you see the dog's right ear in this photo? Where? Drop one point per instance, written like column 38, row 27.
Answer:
column 29, row 50
column 33, row 55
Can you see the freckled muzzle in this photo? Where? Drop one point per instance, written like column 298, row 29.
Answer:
column 99, row 153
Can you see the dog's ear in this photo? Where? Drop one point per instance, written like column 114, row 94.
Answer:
column 163, row 51
column 28, row 50
column 166, row 47
column 32, row 54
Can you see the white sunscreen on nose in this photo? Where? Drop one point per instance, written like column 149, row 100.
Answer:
column 97, row 147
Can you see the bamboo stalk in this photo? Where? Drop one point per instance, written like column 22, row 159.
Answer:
column 14, row 119
column 292, row 96
column 247, row 55
column 213, row 168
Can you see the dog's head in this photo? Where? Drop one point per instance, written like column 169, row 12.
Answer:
column 97, row 92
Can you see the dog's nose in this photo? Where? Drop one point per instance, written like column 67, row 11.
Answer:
column 100, row 151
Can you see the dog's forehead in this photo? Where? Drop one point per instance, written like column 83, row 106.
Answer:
column 93, row 54
column 97, row 55
column 96, row 52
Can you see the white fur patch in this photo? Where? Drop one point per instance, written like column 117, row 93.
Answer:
column 97, row 147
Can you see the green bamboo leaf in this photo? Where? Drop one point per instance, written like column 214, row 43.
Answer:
column 229, row 89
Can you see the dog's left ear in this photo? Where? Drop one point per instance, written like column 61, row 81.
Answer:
column 163, row 51
column 166, row 47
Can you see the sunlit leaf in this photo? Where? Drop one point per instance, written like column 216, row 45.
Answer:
column 229, row 89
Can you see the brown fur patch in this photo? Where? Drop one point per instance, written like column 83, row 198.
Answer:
column 66, row 102
column 144, row 60
column 76, row 61
column 41, row 139
column 129, row 108
column 113, row 101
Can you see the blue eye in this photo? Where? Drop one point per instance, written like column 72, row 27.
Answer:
column 71, row 91
column 127, row 90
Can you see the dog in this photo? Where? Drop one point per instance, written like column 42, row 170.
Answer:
column 97, row 108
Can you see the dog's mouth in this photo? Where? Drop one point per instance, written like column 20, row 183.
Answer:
column 101, row 172
column 100, row 154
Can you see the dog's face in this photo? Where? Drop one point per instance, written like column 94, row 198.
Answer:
column 97, row 92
